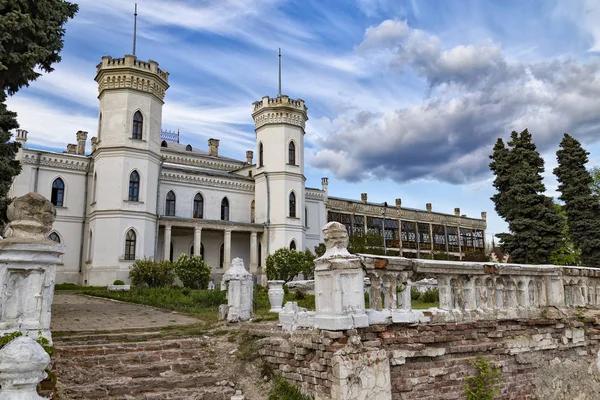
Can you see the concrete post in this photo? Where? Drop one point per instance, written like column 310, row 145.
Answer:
column 167, row 244
column 339, row 280
column 28, row 267
column 227, row 249
column 239, row 291
column 197, row 241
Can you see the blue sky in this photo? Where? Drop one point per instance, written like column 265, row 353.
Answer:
column 406, row 98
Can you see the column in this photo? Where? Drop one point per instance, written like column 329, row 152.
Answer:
column 197, row 241
column 253, row 252
column 446, row 237
column 227, row 249
column 167, row 244
column 400, row 236
column 431, row 241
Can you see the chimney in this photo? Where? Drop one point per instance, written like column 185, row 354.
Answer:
column 398, row 203
column 457, row 212
column 249, row 156
column 363, row 197
column 21, row 138
column 81, row 138
column 213, row 147
column 483, row 215
column 71, row 148
column 94, row 143
column 428, row 207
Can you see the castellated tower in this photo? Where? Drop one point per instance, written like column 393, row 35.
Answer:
column 279, row 181
column 127, row 161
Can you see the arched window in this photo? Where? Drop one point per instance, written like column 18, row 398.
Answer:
column 201, row 251
column 221, row 255
column 292, row 205
column 292, row 153
column 134, row 186
column 163, row 143
column 293, row 245
column 224, row 209
column 260, row 156
column 54, row 237
column 170, row 204
column 130, row 240
column 138, row 124
column 198, row 206
column 188, row 147
column 252, row 211
column 58, row 192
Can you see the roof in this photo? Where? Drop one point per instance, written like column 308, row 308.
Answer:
column 182, row 148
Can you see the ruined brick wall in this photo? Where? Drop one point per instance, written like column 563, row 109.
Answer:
column 554, row 358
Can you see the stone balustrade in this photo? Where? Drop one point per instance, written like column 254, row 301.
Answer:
column 468, row 291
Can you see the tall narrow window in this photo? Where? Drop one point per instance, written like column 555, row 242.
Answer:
column 138, row 124
column 293, row 245
column 221, row 255
column 170, row 204
column 252, row 211
column 306, row 217
column 58, row 192
column 292, row 205
column 198, row 206
column 260, row 156
column 130, row 240
column 99, row 126
column 225, row 209
column 292, row 153
column 134, row 186
column 259, row 255
column 54, row 237
column 171, row 252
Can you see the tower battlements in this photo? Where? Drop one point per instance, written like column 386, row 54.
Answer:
column 130, row 73
column 279, row 110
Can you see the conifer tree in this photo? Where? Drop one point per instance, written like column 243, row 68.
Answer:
column 581, row 207
column 31, row 38
column 533, row 222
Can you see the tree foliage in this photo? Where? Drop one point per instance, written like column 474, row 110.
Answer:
column 533, row 222
column 284, row 264
column 565, row 253
column 595, row 187
column 366, row 243
column 193, row 272
column 581, row 206
column 31, row 38
column 152, row 273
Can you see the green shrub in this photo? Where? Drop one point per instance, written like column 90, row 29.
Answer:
column 430, row 296
column 192, row 271
column 414, row 293
column 284, row 264
column 118, row 282
column 485, row 384
column 151, row 273
column 283, row 390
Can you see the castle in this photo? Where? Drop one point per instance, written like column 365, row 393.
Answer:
column 142, row 194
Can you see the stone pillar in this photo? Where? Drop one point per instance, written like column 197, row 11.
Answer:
column 227, row 249
column 22, row 366
column 555, row 292
column 197, row 241
column 167, row 244
column 469, row 294
column 28, row 267
column 239, row 292
column 445, row 292
column 405, row 299
column 253, row 252
column 339, row 284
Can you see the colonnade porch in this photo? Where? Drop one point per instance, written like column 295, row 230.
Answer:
column 217, row 242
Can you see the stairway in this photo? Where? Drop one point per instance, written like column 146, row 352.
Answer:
column 145, row 365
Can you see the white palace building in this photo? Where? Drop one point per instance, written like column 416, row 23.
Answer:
column 142, row 194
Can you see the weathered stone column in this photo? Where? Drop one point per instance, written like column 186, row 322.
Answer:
column 253, row 252
column 339, row 280
column 227, row 249
column 239, row 291
column 167, row 243
column 197, row 241
column 556, row 291
column 28, row 267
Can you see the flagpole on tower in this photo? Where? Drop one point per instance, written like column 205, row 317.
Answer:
column 134, row 27
column 279, row 92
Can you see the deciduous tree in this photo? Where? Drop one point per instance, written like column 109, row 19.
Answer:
column 533, row 222
column 581, row 206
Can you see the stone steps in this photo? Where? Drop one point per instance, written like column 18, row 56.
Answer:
column 143, row 365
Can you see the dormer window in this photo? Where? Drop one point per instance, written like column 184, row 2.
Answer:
column 138, row 124
column 188, row 147
column 163, row 143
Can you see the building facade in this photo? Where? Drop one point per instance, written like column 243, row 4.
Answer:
column 142, row 194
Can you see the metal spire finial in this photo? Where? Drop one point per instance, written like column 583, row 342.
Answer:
column 279, row 92
column 134, row 27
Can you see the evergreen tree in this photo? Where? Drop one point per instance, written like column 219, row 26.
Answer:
column 595, row 172
column 533, row 222
column 32, row 37
column 582, row 208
